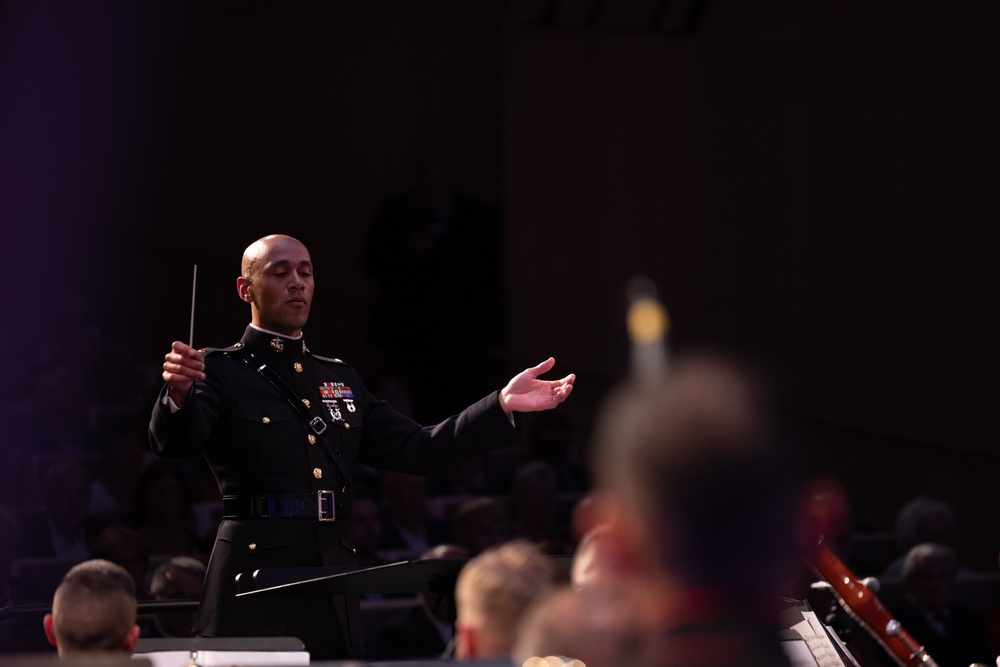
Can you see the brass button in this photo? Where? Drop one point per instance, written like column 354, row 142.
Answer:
column 297, row 366
column 311, row 438
column 318, row 473
column 252, row 546
column 266, row 420
column 347, row 426
column 305, row 402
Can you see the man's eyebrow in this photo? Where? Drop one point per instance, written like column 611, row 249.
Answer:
column 287, row 262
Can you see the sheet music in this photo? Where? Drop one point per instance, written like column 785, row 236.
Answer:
column 815, row 636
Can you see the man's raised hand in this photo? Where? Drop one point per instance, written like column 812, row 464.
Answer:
column 181, row 367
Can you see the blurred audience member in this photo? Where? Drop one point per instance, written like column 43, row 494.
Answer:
column 366, row 527
column 124, row 546
column 480, row 523
column 407, row 525
column 493, row 592
column 93, row 611
column 425, row 630
column 61, row 533
column 124, row 450
column 920, row 521
column 180, row 578
column 436, row 256
column 163, row 514
column 534, row 503
column 954, row 635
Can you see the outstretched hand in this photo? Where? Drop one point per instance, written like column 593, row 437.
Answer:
column 526, row 393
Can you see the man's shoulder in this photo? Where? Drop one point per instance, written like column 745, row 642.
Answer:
column 207, row 351
column 336, row 361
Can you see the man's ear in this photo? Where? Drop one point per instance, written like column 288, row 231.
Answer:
column 243, row 289
column 465, row 641
column 50, row 631
column 130, row 639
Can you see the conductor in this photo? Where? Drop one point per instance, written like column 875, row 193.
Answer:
column 283, row 430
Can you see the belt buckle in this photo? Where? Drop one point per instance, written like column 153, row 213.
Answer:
column 320, row 514
column 317, row 425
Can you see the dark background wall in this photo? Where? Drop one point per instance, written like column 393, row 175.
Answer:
column 812, row 185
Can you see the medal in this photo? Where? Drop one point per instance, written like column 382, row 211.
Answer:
column 334, row 410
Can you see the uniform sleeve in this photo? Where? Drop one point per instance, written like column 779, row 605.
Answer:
column 185, row 432
column 394, row 442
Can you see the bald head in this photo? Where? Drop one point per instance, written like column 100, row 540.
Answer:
column 276, row 279
column 259, row 250
column 94, row 609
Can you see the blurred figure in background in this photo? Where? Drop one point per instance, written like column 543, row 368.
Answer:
column 481, row 523
column 125, row 547
column 436, row 256
column 163, row 511
column 922, row 520
column 180, row 578
column 534, row 504
column 61, row 532
column 407, row 526
column 954, row 635
column 424, row 630
column 366, row 526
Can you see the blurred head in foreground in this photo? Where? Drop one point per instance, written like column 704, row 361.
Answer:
column 493, row 591
column 696, row 482
column 94, row 610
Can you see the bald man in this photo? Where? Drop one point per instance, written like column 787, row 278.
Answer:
column 93, row 610
column 283, row 429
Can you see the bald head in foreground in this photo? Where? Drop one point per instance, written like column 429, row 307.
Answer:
column 93, row 611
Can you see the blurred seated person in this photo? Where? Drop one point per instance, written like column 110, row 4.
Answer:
column 63, row 531
column 180, row 578
column 407, row 526
column 534, row 505
column 124, row 451
column 424, row 630
column 954, row 635
column 436, row 256
column 124, row 546
column 492, row 593
column 366, row 526
column 480, row 523
column 163, row 511
column 93, row 611
column 922, row 520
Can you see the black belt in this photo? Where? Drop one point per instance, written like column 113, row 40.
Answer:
column 321, row 505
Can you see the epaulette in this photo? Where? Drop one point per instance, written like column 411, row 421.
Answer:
column 213, row 350
column 332, row 360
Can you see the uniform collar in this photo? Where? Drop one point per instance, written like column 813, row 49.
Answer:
column 261, row 340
